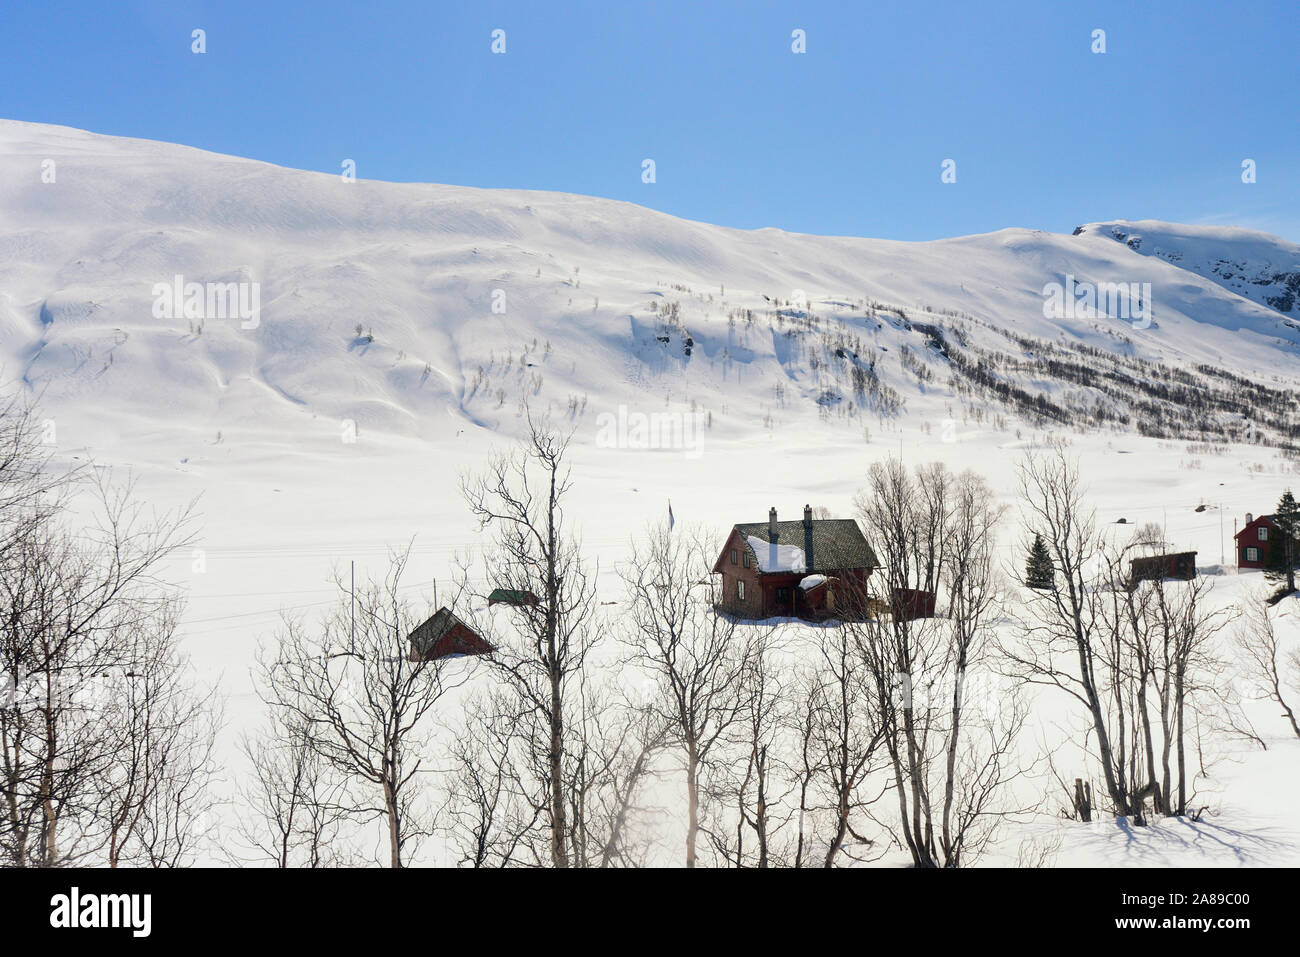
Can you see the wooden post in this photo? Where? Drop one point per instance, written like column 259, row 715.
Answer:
column 1083, row 799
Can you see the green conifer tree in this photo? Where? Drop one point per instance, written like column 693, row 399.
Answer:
column 1284, row 554
column 1039, row 570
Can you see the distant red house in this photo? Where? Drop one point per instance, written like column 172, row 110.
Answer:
column 815, row 568
column 446, row 636
column 1257, row 540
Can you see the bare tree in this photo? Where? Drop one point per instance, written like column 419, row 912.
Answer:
column 293, row 804
column 950, row 750
column 1136, row 651
column 1261, row 650
column 521, row 496
column 746, row 783
column 494, row 804
column 362, row 699
column 155, row 794
column 72, row 601
column 1066, row 644
column 846, row 734
column 615, row 743
column 695, row 660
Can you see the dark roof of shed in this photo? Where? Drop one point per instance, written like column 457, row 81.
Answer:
column 511, row 596
column 427, row 635
column 1165, row 556
column 837, row 542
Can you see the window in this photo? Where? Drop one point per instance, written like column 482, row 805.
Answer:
column 1252, row 554
column 746, row 559
column 1263, row 533
column 733, row 556
column 782, row 596
column 740, row 590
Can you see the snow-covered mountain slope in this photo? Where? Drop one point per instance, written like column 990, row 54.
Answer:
column 1262, row 268
column 803, row 358
column 422, row 310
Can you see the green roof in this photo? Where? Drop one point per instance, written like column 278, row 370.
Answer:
column 511, row 596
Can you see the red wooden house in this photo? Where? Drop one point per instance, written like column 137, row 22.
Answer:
column 446, row 636
column 1255, row 542
column 816, row 568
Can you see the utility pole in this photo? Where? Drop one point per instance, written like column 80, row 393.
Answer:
column 1223, row 555
column 354, row 600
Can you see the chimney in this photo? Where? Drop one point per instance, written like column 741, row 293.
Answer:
column 771, row 524
column 1249, row 518
column 807, row 539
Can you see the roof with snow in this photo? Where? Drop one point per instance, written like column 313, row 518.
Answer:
column 837, row 543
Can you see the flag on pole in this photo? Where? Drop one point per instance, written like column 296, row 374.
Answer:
column 670, row 515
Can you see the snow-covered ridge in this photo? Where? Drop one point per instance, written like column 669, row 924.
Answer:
column 423, row 310
column 1262, row 268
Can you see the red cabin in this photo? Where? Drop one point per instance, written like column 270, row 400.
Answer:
column 446, row 636
column 811, row 569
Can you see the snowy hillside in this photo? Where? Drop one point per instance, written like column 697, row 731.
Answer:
column 469, row 301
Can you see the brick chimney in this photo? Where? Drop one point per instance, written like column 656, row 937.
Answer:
column 807, row 539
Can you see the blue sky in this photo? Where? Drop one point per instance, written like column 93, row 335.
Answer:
column 847, row 138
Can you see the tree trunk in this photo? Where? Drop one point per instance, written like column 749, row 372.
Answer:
column 559, row 854
column 692, row 804
column 394, row 843
column 1178, row 735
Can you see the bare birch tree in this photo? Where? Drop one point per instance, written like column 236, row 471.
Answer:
column 1264, row 662
column 363, row 703
column 1066, row 643
column 949, row 746
column 71, row 600
column 521, row 496
column 155, row 789
column 294, row 807
column 695, row 657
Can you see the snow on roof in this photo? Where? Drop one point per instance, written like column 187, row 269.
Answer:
column 777, row 558
column 812, row 581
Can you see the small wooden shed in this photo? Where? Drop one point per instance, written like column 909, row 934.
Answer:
column 511, row 596
column 446, row 636
column 1181, row 565
column 909, row 603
